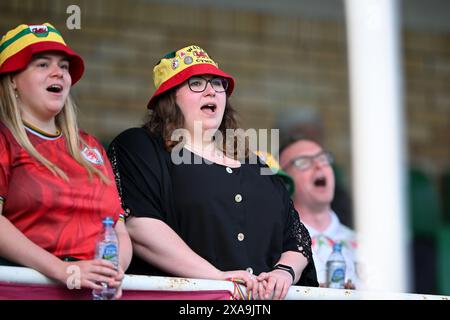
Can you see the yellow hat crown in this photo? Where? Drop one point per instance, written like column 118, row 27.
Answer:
column 177, row 61
column 25, row 35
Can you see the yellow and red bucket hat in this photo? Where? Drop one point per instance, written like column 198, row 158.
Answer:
column 18, row 46
column 178, row 66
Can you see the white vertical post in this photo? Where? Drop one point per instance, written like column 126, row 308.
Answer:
column 378, row 144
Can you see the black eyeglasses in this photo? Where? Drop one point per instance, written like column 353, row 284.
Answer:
column 305, row 162
column 198, row 84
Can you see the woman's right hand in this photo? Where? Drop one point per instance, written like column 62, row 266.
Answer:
column 88, row 274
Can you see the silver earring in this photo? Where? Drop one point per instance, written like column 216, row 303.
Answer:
column 16, row 94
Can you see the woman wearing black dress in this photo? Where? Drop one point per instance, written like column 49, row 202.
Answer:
column 195, row 209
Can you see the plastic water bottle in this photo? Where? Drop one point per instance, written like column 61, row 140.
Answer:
column 336, row 268
column 107, row 248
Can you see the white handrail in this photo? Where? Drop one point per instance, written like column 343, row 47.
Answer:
column 22, row 275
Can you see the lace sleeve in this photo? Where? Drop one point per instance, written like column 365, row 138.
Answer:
column 299, row 232
column 113, row 159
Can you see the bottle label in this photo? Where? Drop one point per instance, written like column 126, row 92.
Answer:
column 108, row 251
column 338, row 275
column 335, row 274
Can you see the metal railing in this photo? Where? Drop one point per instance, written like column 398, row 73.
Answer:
column 20, row 275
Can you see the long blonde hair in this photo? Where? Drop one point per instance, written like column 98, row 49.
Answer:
column 66, row 120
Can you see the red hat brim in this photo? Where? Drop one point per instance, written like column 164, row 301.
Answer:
column 21, row 59
column 194, row 70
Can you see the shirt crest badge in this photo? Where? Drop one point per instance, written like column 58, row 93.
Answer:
column 92, row 155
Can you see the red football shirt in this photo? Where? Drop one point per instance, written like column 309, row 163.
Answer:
column 62, row 217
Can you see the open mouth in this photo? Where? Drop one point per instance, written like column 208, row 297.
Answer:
column 55, row 88
column 209, row 108
column 320, row 182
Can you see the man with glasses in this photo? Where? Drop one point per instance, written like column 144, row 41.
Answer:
column 309, row 165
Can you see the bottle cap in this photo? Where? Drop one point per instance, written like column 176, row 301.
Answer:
column 108, row 221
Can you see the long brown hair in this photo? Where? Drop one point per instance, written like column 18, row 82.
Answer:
column 166, row 116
